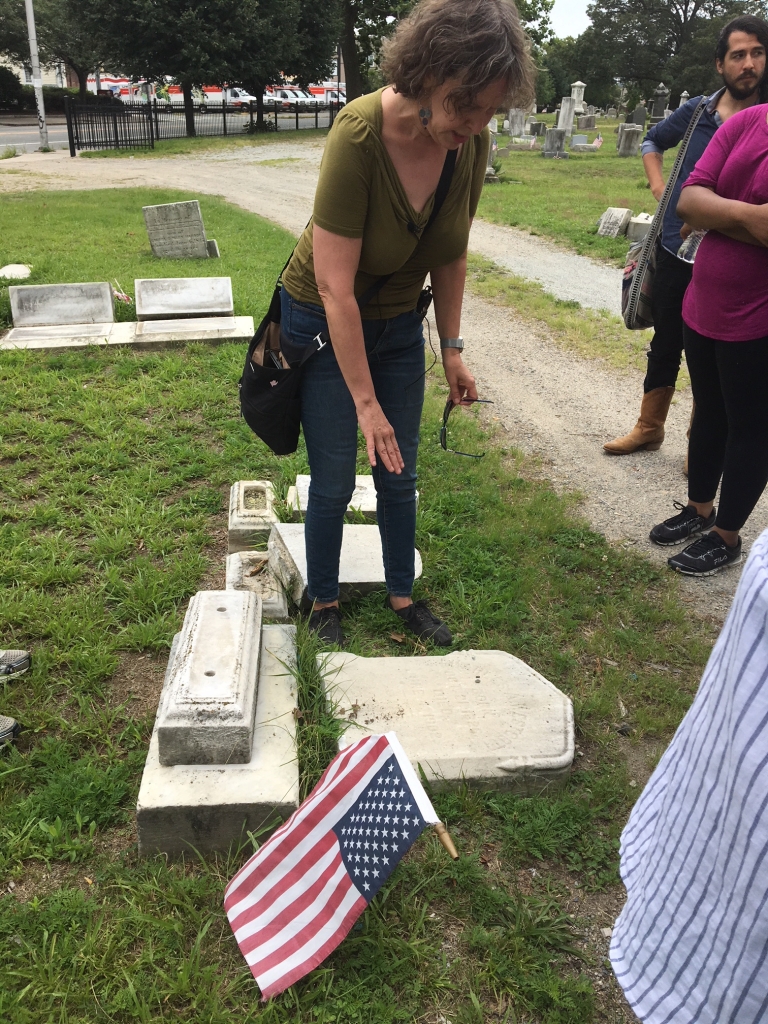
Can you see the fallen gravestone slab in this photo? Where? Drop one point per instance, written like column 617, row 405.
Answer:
column 184, row 809
column 171, row 298
column 176, row 231
column 585, row 148
column 614, row 222
column 361, row 569
column 362, row 503
column 150, row 334
column 483, row 718
column 251, row 514
column 207, row 707
column 55, row 305
column 249, row 570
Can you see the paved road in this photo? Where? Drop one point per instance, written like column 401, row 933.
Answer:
column 27, row 136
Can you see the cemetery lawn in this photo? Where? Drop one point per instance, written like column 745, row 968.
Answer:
column 206, row 144
column 115, row 468
column 563, row 199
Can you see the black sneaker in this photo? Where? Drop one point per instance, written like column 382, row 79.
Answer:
column 326, row 622
column 420, row 620
column 9, row 729
column 683, row 526
column 706, row 556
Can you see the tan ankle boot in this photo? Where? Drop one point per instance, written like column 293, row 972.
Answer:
column 688, row 435
column 648, row 432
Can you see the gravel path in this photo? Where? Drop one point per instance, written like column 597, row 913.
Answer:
column 553, row 404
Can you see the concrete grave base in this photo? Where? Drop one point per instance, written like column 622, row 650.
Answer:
column 249, row 570
column 157, row 334
column 251, row 514
column 361, row 569
column 187, row 808
column 480, row 717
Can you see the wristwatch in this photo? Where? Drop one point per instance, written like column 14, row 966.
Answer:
column 457, row 343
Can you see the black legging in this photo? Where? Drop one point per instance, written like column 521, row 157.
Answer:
column 729, row 435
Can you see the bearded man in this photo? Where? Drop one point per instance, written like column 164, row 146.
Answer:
column 740, row 59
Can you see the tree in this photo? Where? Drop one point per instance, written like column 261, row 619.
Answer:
column 647, row 37
column 14, row 41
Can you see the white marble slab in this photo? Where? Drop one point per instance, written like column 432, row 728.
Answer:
column 249, row 570
column 52, row 305
column 169, row 298
column 481, row 716
column 361, row 569
column 251, row 514
column 186, row 809
column 208, row 701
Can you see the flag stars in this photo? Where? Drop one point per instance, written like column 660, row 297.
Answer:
column 366, row 886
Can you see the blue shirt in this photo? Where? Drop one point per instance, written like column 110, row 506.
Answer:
column 669, row 133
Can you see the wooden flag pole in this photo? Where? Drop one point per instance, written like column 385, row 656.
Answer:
column 444, row 836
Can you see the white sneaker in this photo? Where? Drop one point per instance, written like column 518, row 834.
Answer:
column 9, row 729
column 13, row 663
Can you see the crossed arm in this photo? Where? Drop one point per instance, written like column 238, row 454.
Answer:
column 700, row 207
column 336, row 263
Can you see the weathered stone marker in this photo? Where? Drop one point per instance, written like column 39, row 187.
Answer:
column 586, row 122
column 483, row 717
column 577, row 95
column 251, row 514
column 361, row 569
column 249, row 570
column 579, row 140
column 629, row 140
column 207, row 709
column 361, row 504
column 186, row 808
column 169, row 298
column 614, row 222
column 53, row 305
column 565, row 118
column 537, row 128
column 554, row 144
column 176, row 231
column 639, row 227
column 516, row 121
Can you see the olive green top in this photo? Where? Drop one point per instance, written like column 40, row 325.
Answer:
column 360, row 195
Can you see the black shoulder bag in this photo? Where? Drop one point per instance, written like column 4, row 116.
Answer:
column 270, row 397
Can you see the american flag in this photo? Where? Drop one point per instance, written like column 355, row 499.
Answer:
column 295, row 900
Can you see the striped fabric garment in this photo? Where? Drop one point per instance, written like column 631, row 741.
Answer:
column 295, row 900
column 691, row 945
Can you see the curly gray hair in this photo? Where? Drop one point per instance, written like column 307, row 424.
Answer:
column 477, row 42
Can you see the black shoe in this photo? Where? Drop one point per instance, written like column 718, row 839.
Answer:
column 681, row 527
column 706, row 556
column 420, row 620
column 326, row 622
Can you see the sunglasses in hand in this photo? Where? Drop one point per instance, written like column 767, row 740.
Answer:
column 449, row 406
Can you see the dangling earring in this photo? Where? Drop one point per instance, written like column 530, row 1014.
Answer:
column 424, row 115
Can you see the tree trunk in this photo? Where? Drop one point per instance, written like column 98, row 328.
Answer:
column 82, row 82
column 189, row 108
column 354, row 80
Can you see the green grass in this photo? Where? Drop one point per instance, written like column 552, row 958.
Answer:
column 563, row 199
column 591, row 333
column 114, row 475
column 105, row 239
column 206, row 144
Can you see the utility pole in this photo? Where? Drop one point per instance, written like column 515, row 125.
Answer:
column 37, row 79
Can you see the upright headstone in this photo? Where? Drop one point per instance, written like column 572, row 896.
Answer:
column 577, row 95
column 578, row 140
column 516, row 122
column 565, row 119
column 538, row 128
column 591, row 109
column 660, row 99
column 638, row 116
column 554, row 144
column 176, row 231
column 629, row 140
column 639, row 227
column 586, row 122
column 684, row 97
column 611, row 112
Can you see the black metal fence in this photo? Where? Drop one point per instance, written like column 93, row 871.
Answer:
column 116, row 125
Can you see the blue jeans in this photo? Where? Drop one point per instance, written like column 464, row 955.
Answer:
column 395, row 350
